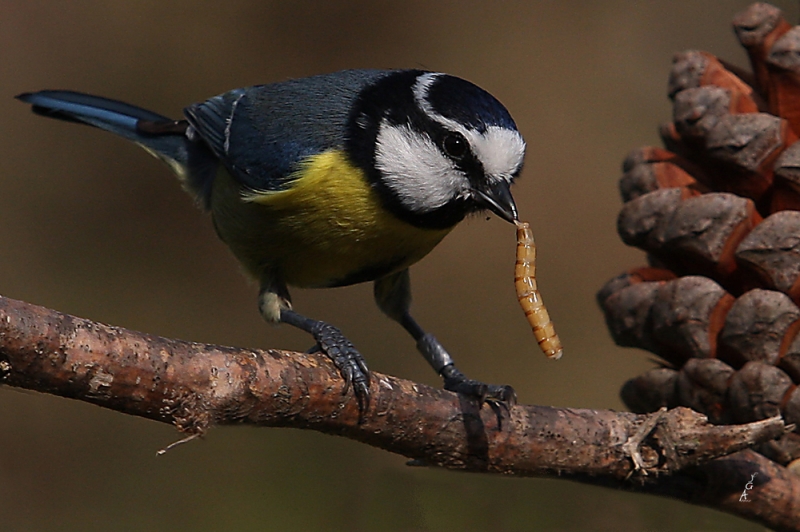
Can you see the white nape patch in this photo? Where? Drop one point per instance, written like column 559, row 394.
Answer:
column 414, row 168
column 500, row 150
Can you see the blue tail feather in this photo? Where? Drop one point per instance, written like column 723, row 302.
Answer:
column 112, row 115
column 192, row 161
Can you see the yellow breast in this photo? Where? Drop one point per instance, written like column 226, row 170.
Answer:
column 329, row 228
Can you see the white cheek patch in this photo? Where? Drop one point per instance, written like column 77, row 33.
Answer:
column 414, row 169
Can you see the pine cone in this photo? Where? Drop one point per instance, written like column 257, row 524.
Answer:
column 718, row 213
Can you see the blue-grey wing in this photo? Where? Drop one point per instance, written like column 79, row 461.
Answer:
column 260, row 133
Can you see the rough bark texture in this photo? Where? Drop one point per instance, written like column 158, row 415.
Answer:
column 195, row 386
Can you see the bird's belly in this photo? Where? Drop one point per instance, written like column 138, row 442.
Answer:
column 329, row 253
column 327, row 229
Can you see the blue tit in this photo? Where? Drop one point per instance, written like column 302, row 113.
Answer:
column 333, row 180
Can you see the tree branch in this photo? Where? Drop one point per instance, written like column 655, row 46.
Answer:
column 195, row 386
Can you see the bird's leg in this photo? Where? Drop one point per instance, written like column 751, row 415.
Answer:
column 393, row 295
column 330, row 340
column 455, row 381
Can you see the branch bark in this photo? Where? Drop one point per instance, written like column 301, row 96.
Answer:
column 195, row 386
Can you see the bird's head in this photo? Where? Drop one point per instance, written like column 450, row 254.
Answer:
column 436, row 147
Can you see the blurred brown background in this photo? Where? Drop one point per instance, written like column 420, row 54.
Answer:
column 92, row 226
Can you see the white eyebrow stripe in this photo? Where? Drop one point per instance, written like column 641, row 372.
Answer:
column 421, row 88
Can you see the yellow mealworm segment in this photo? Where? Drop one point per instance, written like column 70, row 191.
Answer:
column 528, row 295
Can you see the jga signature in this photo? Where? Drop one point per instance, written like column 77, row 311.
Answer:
column 748, row 487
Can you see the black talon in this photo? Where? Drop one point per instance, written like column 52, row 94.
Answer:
column 502, row 394
column 347, row 374
column 343, row 354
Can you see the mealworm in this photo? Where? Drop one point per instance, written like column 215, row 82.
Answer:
column 528, row 294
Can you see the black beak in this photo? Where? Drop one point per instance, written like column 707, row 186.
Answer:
column 499, row 200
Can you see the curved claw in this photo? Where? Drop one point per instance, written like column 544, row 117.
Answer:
column 313, row 349
column 361, row 390
column 347, row 374
column 363, row 366
column 503, row 394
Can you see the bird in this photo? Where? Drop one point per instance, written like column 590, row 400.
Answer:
column 332, row 180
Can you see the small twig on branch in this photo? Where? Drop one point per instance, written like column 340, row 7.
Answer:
column 195, row 386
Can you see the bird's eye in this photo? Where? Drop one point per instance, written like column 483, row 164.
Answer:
column 455, row 145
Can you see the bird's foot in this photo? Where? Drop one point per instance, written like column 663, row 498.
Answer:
column 347, row 360
column 455, row 381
